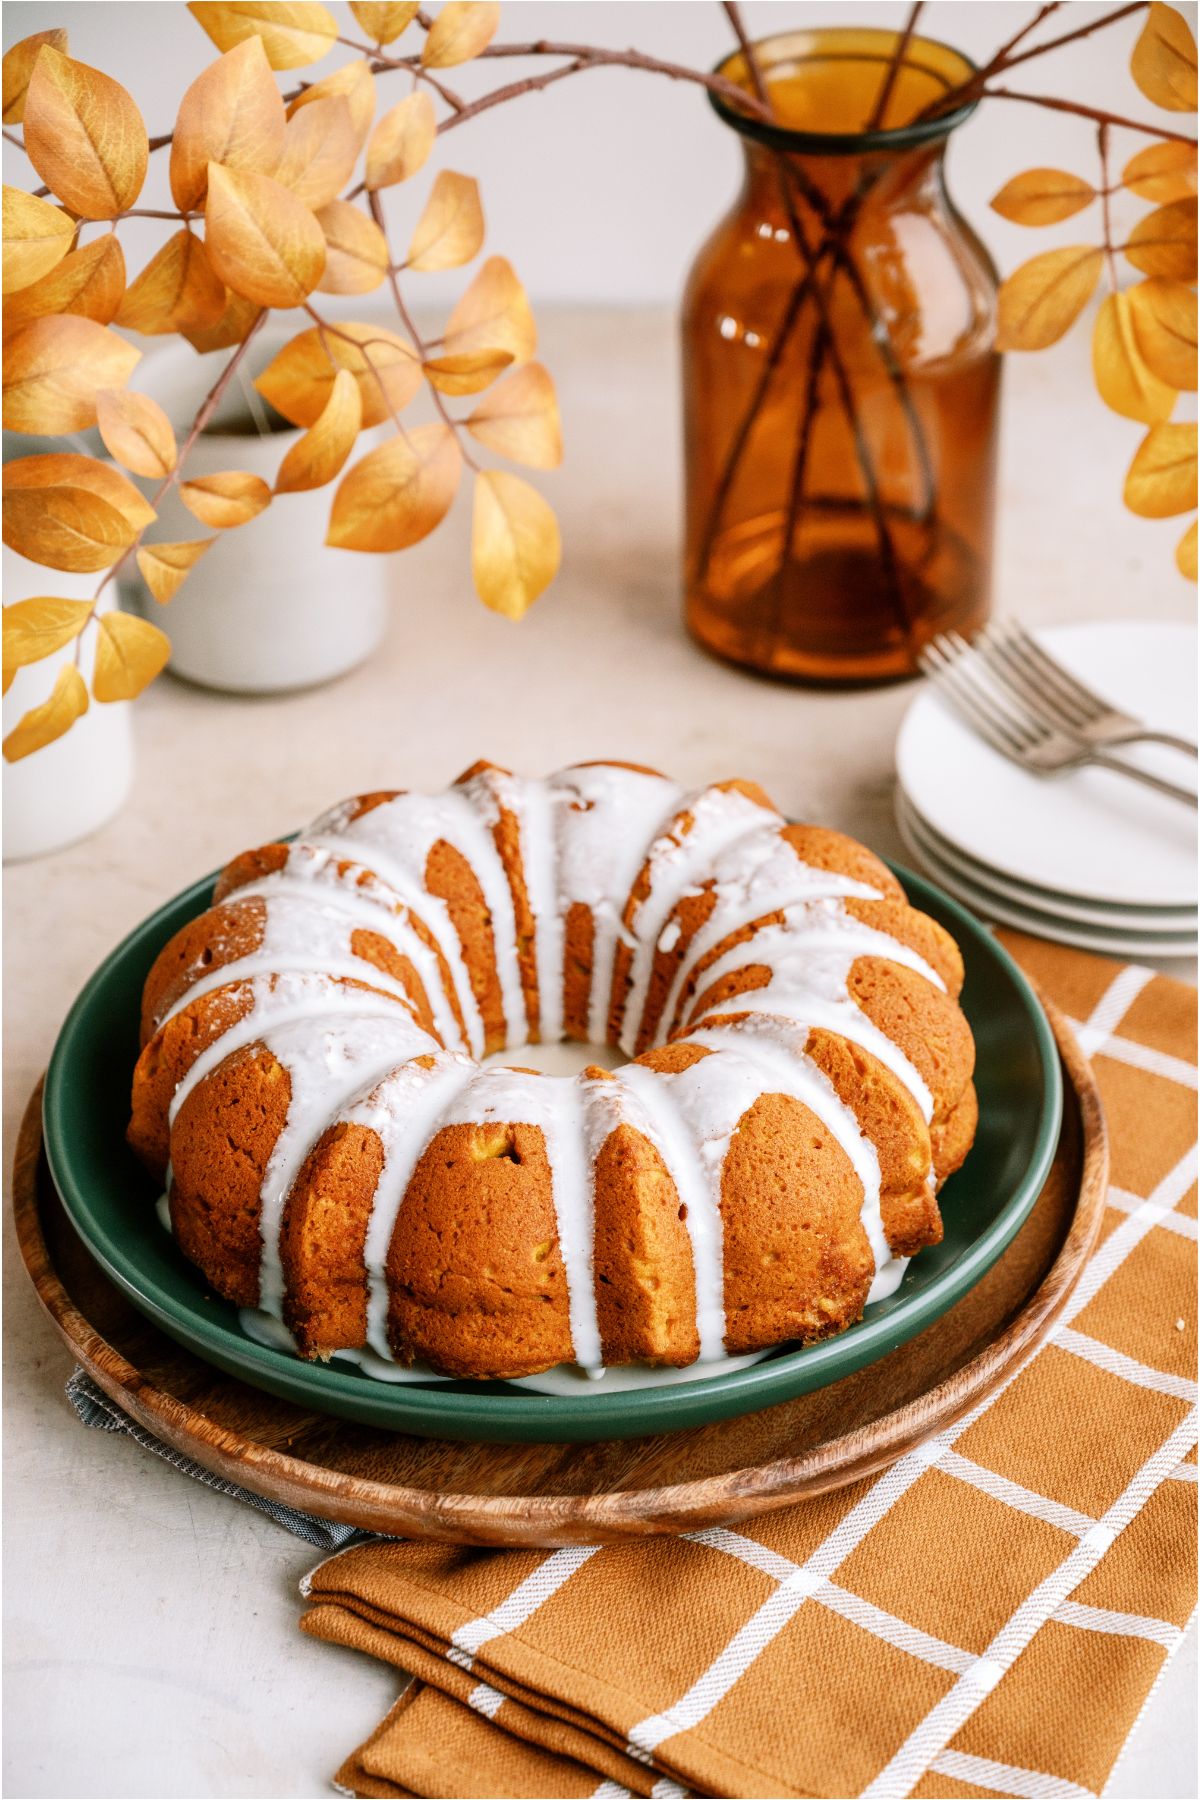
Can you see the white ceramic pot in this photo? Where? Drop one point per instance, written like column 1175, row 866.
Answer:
column 270, row 606
column 73, row 786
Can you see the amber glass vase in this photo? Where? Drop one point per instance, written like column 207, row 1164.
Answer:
column 840, row 377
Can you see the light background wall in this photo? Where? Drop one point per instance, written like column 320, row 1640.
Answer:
column 602, row 188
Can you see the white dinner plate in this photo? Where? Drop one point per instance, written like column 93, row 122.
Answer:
column 1136, row 919
column 1064, row 931
column 1090, row 835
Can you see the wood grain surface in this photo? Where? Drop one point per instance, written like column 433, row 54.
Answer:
column 551, row 1494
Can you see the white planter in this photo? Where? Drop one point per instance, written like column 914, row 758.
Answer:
column 71, row 787
column 269, row 607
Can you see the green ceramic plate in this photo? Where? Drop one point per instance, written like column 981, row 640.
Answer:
column 111, row 1201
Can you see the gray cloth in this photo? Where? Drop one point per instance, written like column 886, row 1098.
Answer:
column 94, row 1408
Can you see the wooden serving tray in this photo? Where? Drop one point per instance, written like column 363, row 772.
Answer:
column 551, row 1494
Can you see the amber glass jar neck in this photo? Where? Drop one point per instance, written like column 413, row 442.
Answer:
column 874, row 174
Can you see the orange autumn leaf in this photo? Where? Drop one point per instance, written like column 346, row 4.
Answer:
column 1042, row 299
column 165, row 567
column 36, row 237
column 384, row 20
column 1163, row 314
column 1043, row 197
column 293, row 32
column 467, row 372
column 401, row 142
column 84, row 136
column 320, row 149
column 177, row 290
column 460, row 31
column 519, row 419
column 493, row 314
column 36, row 628
column 233, row 115
column 1122, row 378
column 261, row 241
column 1164, row 242
column 356, row 251
column 1185, row 553
column 225, row 500
column 1164, row 60
column 53, row 369
column 71, row 512
column 515, row 543
column 353, row 83
column 137, row 432
column 397, row 494
column 89, row 282
column 1162, row 476
column 42, row 724
column 238, row 318
column 322, row 451
column 1162, row 172
column 298, row 382
column 130, row 652
column 450, row 230
column 18, row 67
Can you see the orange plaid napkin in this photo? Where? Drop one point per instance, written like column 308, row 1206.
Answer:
column 986, row 1617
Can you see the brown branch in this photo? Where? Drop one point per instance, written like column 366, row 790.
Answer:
column 1106, row 206
column 733, row 13
column 532, row 84
column 326, row 328
column 891, row 75
column 10, row 137
column 1004, row 59
column 774, row 619
column 1094, row 113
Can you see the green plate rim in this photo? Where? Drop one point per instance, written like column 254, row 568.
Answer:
column 470, row 1410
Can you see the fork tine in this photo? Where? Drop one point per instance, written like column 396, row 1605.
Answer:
column 1004, row 706
column 1091, row 704
column 955, row 679
column 1010, row 670
column 980, row 724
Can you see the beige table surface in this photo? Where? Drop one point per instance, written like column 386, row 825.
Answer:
column 151, row 1640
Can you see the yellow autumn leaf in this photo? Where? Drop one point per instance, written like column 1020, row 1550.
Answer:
column 71, row 512
column 461, row 30
column 1043, row 197
column 1162, row 476
column 18, row 67
column 299, row 381
column 397, row 494
column 54, row 717
column 401, row 142
column 165, row 567
column 53, row 368
column 36, row 628
column 225, row 500
column 450, row 230
column 233, row 115
column 493, row 314
column 89, row 282
column 136, row 432
column 1042, row 299
column 384, row 20
column 1122, row 378
column 353, row 83
column 1162, row 172
column 1164, row 60
column 320, row 150
column 1164, row 242
column 175, row 291
column 466, row 372
column 293, row 33
column 237, row 320
column 1185, row 553
column 515, row 543
column 36, row 237
column 519, row 419
column 356, row 251
column 84, row 136
column 130, row 652
column 261, row 241
column 322, row 451
column 1164, row 326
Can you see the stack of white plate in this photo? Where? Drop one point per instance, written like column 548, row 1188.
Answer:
column 1090, row 858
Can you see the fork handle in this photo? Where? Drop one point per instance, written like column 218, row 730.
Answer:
column 1168, row 738
column 1099, row 760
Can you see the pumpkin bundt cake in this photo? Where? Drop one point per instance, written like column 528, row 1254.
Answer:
column 337, row 1155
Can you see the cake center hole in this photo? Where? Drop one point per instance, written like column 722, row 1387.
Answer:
column 558, row 1059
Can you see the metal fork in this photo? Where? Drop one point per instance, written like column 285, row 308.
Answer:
column 963, row 675
column 1046, row 688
